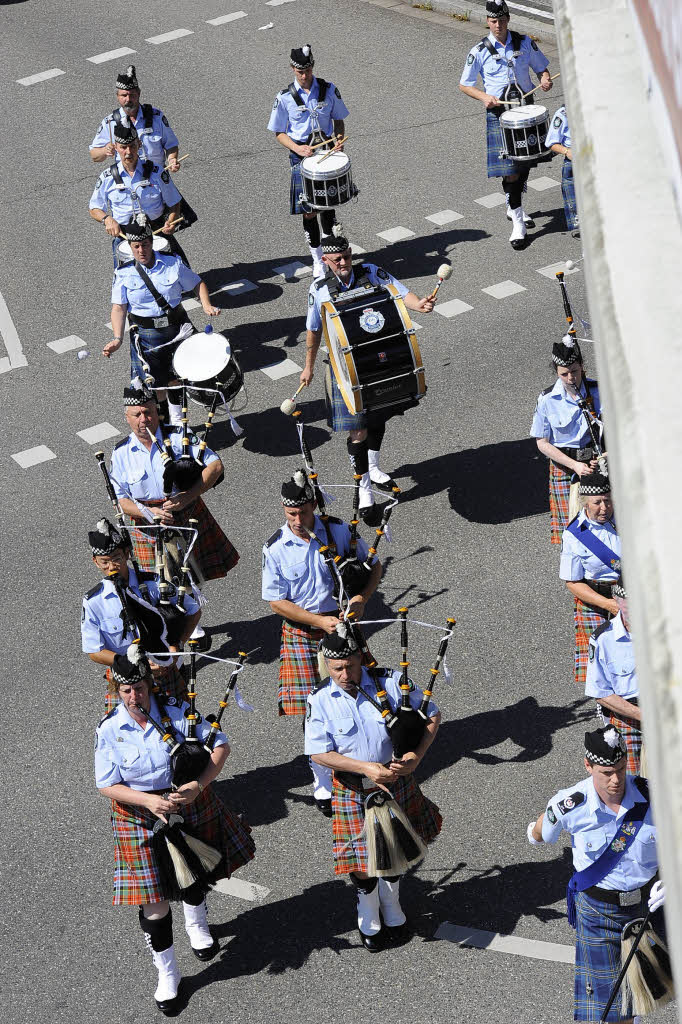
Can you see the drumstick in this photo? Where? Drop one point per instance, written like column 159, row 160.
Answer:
column 444, row 272
column 166, row 166
column 339, row 142
column 289, row 404
column 173, row 223
column 325, row 142
column 530, row 91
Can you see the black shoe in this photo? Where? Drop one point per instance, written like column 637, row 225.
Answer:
column 388, row 488
column 371, row 515
column 519, row 243
column 372, row 943
column 324, row 807
column 397, row 935
column 171, row 1007
column 208, row 953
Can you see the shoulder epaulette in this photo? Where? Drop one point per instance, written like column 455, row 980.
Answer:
column 122, row 443
column 173, row 428
column 149, row 167
column 643, row 786
column 108, row 715
column 591, row 380
column 546, row 391
column 569, row 803
column 275, row 536
column 320, row 686
column 95, row 590
column 481, row 45
column 601, row 629
column 321, row 281
column 570, row 521
column 335, row 519
column 385, row 672
column 146, row 577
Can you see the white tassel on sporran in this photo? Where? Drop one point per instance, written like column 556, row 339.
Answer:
column 648, row 983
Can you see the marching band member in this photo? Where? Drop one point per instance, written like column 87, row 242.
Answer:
column 612, row 677
column 590, row 565
column 299, row 587
column 306, row 112
column 105, row 636
column 137, row 476
column 365, row 429
column 504, row 60
column 133, row 769
column 561, row 431
column 157, row 139
column 345, row 733
column 149, row 292
column 613, row 839
column 559, row 141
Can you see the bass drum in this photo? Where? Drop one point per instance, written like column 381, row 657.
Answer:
column 373, row 351
column 206, row 362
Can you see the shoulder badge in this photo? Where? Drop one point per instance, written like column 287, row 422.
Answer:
column 470, row 59
column 591, row 648
column 570, row 802
column 274, row 538
column 308, row 711
column 163, row 118
column 101, row 178
column 165, row 176
column 172, row 702
column 382, row 274
column 311, row 299
column 557, row 122
column 533, row 44
column 95, row 590
column 550, row 814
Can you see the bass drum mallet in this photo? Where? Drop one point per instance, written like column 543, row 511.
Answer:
column 289, row 404
column 444, row 272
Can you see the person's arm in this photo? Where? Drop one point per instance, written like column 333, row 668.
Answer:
column 112, row 226
column 622, row 706
column 118, row 323
column 339, row 132
column 545, row 80
column 357, row 603
column 406, row 764
column 154, row 802
column 378, row 773
column 202, row 293
column 587, row 595
column 293, row 612
column 413, row 302
column 101, row 153
column 485, row 98
column 561, row 150
column 553, row 453
column 295, row 147
column 172, row 161
column 103, row 657
column 188, row 793
column 173, row 214
column 312, row 346
column 535, row 829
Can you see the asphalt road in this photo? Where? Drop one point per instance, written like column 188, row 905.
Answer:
column 471, row 536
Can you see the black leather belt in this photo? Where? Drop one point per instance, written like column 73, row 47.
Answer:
column 621, row 899
column 579, row 454
column 173, row 318
column 304, row 627
column 602, row 587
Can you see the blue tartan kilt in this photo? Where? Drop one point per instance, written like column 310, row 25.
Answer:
column 158, row 354
column 499, row 166
column 568, row 192
column 296, row 186
column 338, row 416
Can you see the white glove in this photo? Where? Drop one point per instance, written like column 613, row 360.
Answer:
column 538, row 842
column 657, row 895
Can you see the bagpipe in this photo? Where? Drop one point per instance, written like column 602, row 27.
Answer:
column 145, row 621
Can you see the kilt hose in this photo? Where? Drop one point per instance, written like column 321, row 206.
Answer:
column 586, row 619
column 598, row 954
column 173, row 684
column 568, row 192
column 213, row 553
column 137, row 878
column 298, row 671
column 631, row 729
column 348, row 820
column 559, row 488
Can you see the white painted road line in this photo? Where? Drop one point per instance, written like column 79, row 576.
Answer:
column 445, row 217
column 494, row 199
column 503, row 289
column 34, row 456
column 166, row 37
column 396, row 234
column 237, row 287
column 101, row 58
column 42, row 76
column 66, row 344
column 15, row 355
column 100, row 432
column 227, row 17
column 542, row 184
column 281, row 369
column 277, row 3
column 533, row 948
column 293, row 270
column 241, row 889
column 452, row 308
column 357, row 249
column 531, row 10
column 190, row 304
column 551, row 270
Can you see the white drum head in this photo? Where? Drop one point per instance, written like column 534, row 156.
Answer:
column 517, row 117
column 160, row 243
column 201, row 357
column 333, row 166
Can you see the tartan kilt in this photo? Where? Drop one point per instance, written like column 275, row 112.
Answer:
column 630, row 728
column 298, row 671
column 598, row 956
column 338, row 416
column 586, row 620
column 559, row 488
column 499, row 166
column 568, row 192
column 215, row 555
column 137, row 878
column 296, row 186
column 174, row 685
column 348, row 820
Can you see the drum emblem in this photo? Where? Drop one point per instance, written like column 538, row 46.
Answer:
column 532, row 139
column 372, row 321
column 332, row 190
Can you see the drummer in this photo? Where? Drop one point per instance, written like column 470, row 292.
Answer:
column 158, row 140
column 149, row 292
column 504, row 60
column 559, row 141
column 304, row 113
column 365, row 429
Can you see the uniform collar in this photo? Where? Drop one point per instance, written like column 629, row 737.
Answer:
column 501, row 46
column 586, row 523
column 560, row 392
column 124, row 113
column 291, row 538
column 618, row 626
column 138, row 168
column 313, row 85
column 137, row 446
column 129, row 725
column 631, row 796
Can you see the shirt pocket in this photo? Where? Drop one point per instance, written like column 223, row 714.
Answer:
column 646, row 838
column 112, row 625
column 591, row 843
column 130, row 762
column 343, row 727
column 294, row 570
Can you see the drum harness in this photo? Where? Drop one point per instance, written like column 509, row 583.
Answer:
column 512, row 93
column 316, row 135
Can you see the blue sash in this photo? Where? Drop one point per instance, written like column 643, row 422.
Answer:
column 620, row 844
column 595, row 546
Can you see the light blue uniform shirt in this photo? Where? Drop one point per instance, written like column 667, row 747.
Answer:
column 611, row 664
column 287, row 116
column 316, row 296
column 155, row 141
column 101, row 626
column 352, row 726
column 495, row 73
column 169, row 275
column 137, row 473
column 592, row 826
column 136, row 194
column 577, row 563
column 559, row 132
column 558, row 418
column 294, row 570
column 136, row 755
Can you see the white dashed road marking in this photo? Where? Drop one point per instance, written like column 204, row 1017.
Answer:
column 445, row 217
column 100, row 432
column 66, row 344
column 396, row 234
column 533, row 948
column 34, row 456
column 452, row 308
column 15, row 354
column 277, row 3
column 293, row 270
column 542, row 184
column 237, row 287
column 503, row 289
column 42, row 76
column 101, row 58
column 281, row 369
column 166, row 37
column 223, row 20
column 357, row 249
column 241, row 889
column 188, row 304
column 551, row 270
column 532, row 10
column 494, row 199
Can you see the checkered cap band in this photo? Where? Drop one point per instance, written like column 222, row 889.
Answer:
column 334, row 243
column 127, row 79
column 599, row 751
column 125, row 133
column 302, row 57
column 594, row 485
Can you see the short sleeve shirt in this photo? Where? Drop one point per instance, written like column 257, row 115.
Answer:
column 578, row 562
column 611, row 663
column 316, row 296
column 495, row 71
column 559, row 419
column 296, row 121
column 137, row 473
column 156, row 140
column 169, row 275
column 559, row 133
column 136, row 194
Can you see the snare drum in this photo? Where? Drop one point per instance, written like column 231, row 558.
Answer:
column 206, row 359
column 373, row 351
column 125, row 253
column 328, row 183
column 524, row 130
